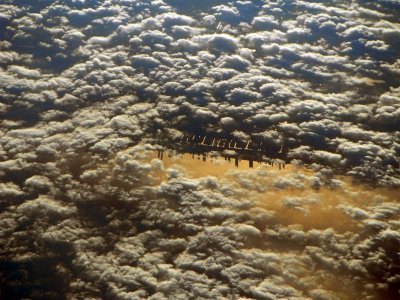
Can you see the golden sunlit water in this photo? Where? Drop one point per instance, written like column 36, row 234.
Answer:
column 285, row 190
column 288, row 194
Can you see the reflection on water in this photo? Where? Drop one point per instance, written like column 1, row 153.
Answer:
column 306, row 221
column 212, row 164
column 294, row 202
column 197, row 166
column 286, row 189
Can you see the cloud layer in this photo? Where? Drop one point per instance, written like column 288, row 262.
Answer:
column 304, row 74
column 118, row 229
column 86, row 215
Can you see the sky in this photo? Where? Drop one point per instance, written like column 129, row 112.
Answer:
column 89, row 88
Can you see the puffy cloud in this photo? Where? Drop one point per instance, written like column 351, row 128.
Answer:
column 86, row 206
column 220, row 42
column 43, row 206
column 24, row 72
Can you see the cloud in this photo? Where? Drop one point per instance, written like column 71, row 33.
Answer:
column 220, row 42
column 86, row 84
column 24, row 72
